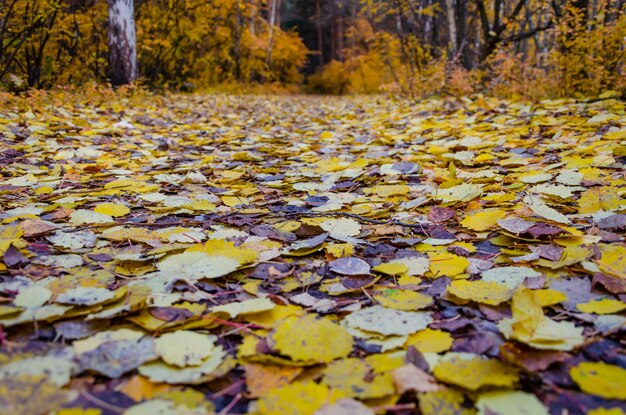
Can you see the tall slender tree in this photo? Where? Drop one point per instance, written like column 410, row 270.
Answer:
column 122, row 42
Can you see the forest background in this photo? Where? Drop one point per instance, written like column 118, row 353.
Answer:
column 530, row 49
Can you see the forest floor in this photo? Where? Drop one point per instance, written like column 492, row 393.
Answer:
column 311, row 255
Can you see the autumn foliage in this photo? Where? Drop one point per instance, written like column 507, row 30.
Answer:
column 181, row 43
column 530, row 49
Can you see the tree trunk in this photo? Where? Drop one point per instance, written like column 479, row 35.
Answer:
column 274, row 18
column 122, row 42
column 318, row 24
column 450, row 14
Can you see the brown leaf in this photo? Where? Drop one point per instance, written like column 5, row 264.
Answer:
column 34, row 227
column 440, row 214
column 139, row 388
column 529, row 359
column 409, row 378
column 613, row 285
column 170, row 314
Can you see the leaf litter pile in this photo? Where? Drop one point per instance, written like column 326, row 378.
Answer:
column 300, row 255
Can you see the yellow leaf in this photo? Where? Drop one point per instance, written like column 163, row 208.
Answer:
column 486, row 292
column 391, row 268
column 187, row 398
column 390, row 190
column 483, row 220
column 473, row 372
column 527, row 313
column 112, row 209
column 122, row 183
column 409, row 280
column 447, row 264
column 548, row 297
column 340, row 250
column 528, row 325
column 222, row 248
column 601, row 379
column 260, row 379
column 44, row 190
column 430, row 341
column 331, row 165
column 31, row 394
column 184, row 348
column 444, row 402
column 202, row 206
column 275, row 315
column 613, row 260
column 288, row 226
column 510, row 403
column 385, row 362
column 403, row 299
column 311, row 339
column 233, row 201
column 605, row 411
column 350, row 377
column 600, row 198
column 78, row 411
column 603, row 306
column 9, row 235
column 302, row 398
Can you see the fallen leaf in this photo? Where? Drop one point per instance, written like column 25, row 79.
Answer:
column 600, row 379
column 311, row 339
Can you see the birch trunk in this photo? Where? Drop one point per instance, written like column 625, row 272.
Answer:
column 122, row 42
column 274, row 20
column 450, row 12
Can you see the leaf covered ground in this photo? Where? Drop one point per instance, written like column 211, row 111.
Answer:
column 311, row 255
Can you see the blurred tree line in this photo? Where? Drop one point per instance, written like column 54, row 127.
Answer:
column 521, row 48
column 180, row 43
column 515, row 48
